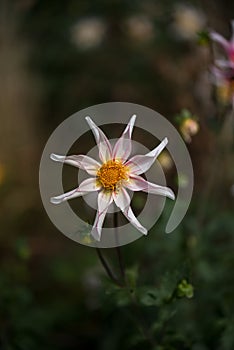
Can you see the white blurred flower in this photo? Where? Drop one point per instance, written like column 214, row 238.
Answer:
column 113, row 176
column 140, row 28
column 88, row 33
column 187, row 21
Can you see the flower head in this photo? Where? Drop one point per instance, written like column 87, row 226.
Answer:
column 113, row 175
column 223, row 70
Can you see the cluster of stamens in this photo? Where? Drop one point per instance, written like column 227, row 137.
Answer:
column 111, row 174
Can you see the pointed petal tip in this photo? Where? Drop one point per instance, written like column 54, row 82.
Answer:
column 90, row 122
column 132, row 122
column 55, row 200
column 133, row 118
column 144, row 231
column 171, row 195
column 57, row 157
column 96, row 234
column 165, row 140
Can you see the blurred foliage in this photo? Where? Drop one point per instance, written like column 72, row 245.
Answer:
column 59, row 57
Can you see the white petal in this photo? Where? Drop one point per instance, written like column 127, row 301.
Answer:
column 86, row 163
column 218, row 74
column 140, row 164
column 123, row 146
column 137, row 183
column 221, row 63
column 104, row 200
column 122, row 200
column 88, row 185
column 66, row 196
column 104, row 146
column 220, row 40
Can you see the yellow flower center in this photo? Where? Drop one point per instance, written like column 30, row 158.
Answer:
column 111, row 174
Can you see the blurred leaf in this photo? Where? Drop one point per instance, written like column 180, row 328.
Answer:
column 131, row 277
column 22, row 248
column 149, row 296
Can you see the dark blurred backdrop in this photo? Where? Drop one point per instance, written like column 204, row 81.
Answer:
column 56, row 58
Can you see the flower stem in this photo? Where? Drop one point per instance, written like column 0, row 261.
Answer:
column 118, row 250
column 135, row 309
column 107, row 267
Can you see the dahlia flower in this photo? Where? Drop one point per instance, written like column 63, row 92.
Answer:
column 113, row 175
column 223, row 70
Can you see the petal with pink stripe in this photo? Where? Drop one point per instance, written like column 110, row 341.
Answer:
column 137, row 183
column 104, row 146
column 123, row 146
column 141, row 163
column 83, row 162
column 88, row 185
column 122, row 200
column 104, row 201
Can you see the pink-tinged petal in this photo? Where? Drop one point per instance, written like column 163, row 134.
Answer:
column 141, row 163
column 220, row 40
column 104, row 201
column 137, row 183
column 104, row 146
column 86, row 163
column 123, row 146
column 88, row 185
column 220, row 63
column 218, row 74
column 122, row 200
column 66, row 196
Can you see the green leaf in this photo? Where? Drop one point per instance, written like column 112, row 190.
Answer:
column 148, row 296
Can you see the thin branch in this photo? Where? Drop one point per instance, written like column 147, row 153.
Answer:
column 118, row 250
column 107, row 267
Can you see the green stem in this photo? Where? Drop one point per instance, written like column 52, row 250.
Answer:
column 118, row 250
column 107, row 268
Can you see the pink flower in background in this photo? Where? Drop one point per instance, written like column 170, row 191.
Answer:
column 223, row 70
column 113, row 175
column 228, row 47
